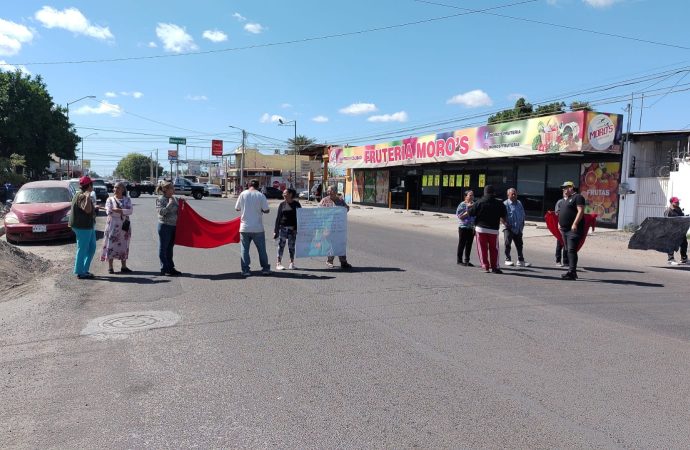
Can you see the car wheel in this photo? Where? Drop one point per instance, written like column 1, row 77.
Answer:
column 134, row 194
column 198, row 195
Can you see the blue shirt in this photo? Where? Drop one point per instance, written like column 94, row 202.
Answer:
column 515, row 216
column 467, row 221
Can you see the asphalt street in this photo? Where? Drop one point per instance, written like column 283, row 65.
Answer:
column 406, row 350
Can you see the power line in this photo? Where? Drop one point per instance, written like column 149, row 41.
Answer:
column 567, row 27
column 280, row 43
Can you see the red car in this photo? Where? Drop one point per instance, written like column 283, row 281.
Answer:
column 40, row 212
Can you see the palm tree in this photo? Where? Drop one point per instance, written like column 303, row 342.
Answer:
column 299, row 142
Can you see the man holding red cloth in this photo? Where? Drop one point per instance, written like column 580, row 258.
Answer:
column 572, row 224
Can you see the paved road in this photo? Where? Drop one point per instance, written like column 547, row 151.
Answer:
column 407, row 350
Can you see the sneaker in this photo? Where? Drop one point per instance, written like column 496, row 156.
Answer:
column 291, row 266
column 279, row 266
column 509, row 262
column 487, row 270
column 266, row 272
column 523, row 264
column 346, row 266
column 496, row 270
column 685, row 261
column 559, row 264
column 246, row 274
column 569, row 276
column 672, row 262
column 175, row 272
column 469, row 264
column 329, row 265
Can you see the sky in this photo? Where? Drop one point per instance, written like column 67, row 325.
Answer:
column 347, row 73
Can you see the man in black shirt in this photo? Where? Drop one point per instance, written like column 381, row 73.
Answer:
column 572, row 225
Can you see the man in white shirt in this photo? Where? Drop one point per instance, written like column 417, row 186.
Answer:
column 253, row 205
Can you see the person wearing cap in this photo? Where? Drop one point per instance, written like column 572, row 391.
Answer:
column 82, row 220
column 572, row 224
column 489, row 213
column 674, row 211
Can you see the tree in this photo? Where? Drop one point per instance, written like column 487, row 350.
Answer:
column 136, row 167
column 31, row 125
column 524, row 110
column 580, row 106
column 301, row 142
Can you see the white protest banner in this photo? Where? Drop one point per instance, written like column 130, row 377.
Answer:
column 321, row 232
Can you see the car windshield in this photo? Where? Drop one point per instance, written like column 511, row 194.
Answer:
column 98, row 183
column 43, row 195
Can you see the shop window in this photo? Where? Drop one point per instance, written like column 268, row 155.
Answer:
column 431, row 181
column 557, row 174
column 530, row 187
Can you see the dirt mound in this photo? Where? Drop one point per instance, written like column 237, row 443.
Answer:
column 17, row 268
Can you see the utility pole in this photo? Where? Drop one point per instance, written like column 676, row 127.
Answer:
column 244, row 140
column 639, row 128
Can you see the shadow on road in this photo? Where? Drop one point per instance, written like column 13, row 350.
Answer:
column 595, row 269
column 619, row 282
column 360, row 269
column 274, row 274
column 119, row 278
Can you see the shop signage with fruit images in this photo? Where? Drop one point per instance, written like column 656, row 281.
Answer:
column 599, row 186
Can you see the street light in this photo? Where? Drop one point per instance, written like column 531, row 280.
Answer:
column 82, row 151
column 75, row 101
column 293, row 123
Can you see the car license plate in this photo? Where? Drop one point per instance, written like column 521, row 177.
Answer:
column 39, row 229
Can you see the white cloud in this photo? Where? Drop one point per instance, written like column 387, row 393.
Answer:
column 12, row 36
column 152, row 45
column 395, row 117
column 239, row 17
column 71, row 19
column 267, row 118
column 359, row 108
column 104, row 107
column 254, row 28
column 110, row 94
column 7, row 67
column 215, row 36
column 175, row 38
column 320, row 119
column 286, row 105
column 135, row 94
column 471, row 99
column 196, row 98
column 600, row 3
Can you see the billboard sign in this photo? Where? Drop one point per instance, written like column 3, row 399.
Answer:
column 217, row 147
column 172, row 155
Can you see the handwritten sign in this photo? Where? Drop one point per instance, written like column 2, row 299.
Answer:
column 321, row 232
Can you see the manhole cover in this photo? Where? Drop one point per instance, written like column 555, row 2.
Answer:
column 122, row 324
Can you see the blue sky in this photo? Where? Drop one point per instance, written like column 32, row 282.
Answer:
column 356, row 72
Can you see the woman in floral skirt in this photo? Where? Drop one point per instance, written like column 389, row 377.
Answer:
column 116, row 240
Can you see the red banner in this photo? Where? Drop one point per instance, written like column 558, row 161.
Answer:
column 196, row 231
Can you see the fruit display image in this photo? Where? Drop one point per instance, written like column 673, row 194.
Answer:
column 555, row 136
column 599, row 186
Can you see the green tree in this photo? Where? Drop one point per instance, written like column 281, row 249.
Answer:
column 549, row 109
column 136, row 167
column 300, row 142
column 578, row 106
column 31, row 124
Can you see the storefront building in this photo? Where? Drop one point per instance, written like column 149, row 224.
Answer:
column 535, row 156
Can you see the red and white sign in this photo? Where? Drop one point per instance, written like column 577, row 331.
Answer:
column 172, row 155
column 217, row 147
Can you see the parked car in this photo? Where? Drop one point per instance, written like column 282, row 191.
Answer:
column 271, row 192
column 100, row 189
column 74, row 188
column 40, row 212
column 212, row 190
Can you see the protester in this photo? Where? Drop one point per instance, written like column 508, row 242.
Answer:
column 572, row 224
column 465, row 229
column 118, row 208
column 82, row 220
column 674, row 211
column 167, row 207
column 489, row 213
column 561, row 251
column 286, row 227
column 515, row 218
column 329, row 201
column 253, row 205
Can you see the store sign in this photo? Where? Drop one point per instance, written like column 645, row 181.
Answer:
column 172, row 155
column 599, row 186
column 217, row 147
column 562, row 133
column 601, row 132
